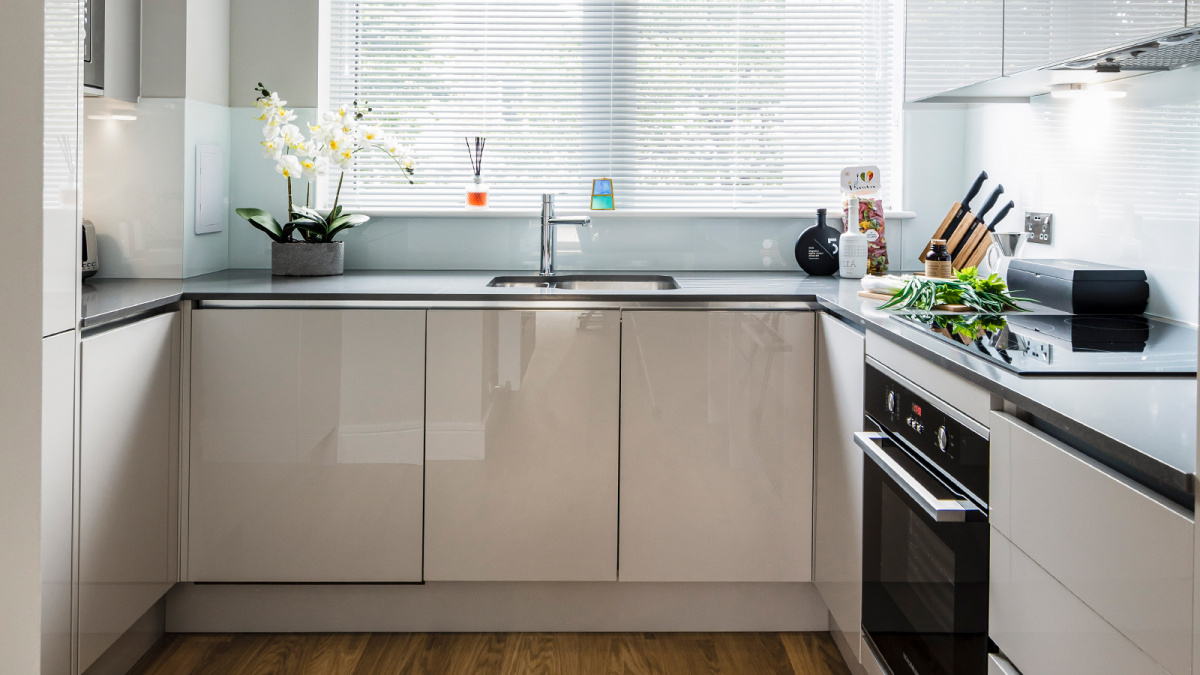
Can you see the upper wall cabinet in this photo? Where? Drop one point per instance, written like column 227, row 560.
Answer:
column 1193, row 12
column 1042, row 32
column 951, row 44
column 112, row 48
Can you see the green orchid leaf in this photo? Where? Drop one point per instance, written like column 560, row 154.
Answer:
column 264, row 221
column 308, row 213
column 348, row 219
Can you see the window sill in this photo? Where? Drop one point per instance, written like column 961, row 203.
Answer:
column 707, row 214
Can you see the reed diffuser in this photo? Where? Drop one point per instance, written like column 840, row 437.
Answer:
column 477, row 190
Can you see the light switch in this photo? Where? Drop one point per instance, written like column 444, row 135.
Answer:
column 210, row 189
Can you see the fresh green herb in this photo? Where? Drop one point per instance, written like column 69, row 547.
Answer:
column 988, row 295
column 968, row 328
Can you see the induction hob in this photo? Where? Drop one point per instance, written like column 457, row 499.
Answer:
column 1068, row 344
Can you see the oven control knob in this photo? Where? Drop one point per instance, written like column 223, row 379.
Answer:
column 891, row 401
column 942, row 439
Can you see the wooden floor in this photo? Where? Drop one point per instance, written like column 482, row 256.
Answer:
column 501, row 653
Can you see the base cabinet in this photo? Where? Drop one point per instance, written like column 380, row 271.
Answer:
column 128, row 530
column 837, row 539
column 1047, row 630
column 521, row 480
column 716, row 446
column 307, row 433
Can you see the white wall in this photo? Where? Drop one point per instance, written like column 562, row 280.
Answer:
column 934, row 141
column 273, row 42
column 1122, row 178
column 139, row 174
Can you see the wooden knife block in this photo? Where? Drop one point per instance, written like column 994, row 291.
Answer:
column 971, row 234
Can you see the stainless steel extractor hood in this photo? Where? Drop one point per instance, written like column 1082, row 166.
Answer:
column 1168, row 52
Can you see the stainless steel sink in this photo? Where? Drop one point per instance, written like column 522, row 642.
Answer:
column 519, row 282
column 590, row 282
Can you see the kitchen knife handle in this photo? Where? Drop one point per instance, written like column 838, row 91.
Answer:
column 991, row 201
column 974, row 191
column 1000, row 216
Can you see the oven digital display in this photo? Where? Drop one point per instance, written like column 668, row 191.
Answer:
column 916, row 409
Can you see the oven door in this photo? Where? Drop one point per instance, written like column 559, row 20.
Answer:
column 925, row 566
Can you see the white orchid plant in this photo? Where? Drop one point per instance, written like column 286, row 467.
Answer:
column 333, row 145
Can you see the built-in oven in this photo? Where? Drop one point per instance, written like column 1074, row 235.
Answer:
column 925, row 530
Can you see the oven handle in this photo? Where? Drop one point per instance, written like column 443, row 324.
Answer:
column 940, row 510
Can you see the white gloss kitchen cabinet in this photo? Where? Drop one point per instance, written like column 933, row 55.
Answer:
column 1042, row 32
column 306, row 453
column 128, row 477
column 837, row 536
column 521, row 446
column 1090, row 571
column 716, row 446
column 951, row 44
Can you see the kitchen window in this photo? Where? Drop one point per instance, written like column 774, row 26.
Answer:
column 685, row 104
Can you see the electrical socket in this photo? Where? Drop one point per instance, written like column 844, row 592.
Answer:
column 1040, row 227
column 1034, row 348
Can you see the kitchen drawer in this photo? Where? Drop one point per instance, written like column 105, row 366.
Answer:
column 1047, row 630
column 1124, row 551
column 972, row 400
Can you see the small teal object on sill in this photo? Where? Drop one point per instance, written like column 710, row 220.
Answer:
column 602, row 195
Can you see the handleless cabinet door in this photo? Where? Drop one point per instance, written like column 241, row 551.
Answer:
column 1046, row 629
column 1193, row 12
column 837, row 540
column 951, row 44
column 128, row 536
column 307, row 434
column 521, row 481
column 716, row 446
column 1124, row 551
column 1041, row 32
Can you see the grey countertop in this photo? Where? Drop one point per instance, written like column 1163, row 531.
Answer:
column 1142, row 426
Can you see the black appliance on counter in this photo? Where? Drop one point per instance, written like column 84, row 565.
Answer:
column 1080, row 287
column 1069, row 344
column 925, row 530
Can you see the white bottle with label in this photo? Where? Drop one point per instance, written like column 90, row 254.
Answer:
column 852, row 246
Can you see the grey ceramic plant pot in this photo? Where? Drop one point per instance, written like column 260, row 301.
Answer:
column 302, row 259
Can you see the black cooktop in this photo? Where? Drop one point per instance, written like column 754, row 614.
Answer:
column 1069, row 344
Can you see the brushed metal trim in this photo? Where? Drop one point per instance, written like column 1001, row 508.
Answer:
column 500, row 303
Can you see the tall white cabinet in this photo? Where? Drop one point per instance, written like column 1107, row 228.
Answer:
column 58, row 501
column 128, row 485
column 522, row 445
column 306, row 452
column 716, row 446
column 837, row 558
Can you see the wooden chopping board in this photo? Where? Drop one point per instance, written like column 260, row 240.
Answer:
column 936, row 308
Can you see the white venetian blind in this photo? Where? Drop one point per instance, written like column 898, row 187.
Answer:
column 716, row 104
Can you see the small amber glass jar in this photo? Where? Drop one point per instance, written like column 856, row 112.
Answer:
column 477, row 193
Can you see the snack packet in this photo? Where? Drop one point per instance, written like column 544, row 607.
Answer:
column 864, row 182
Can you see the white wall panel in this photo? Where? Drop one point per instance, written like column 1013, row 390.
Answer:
column 1122, row 178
